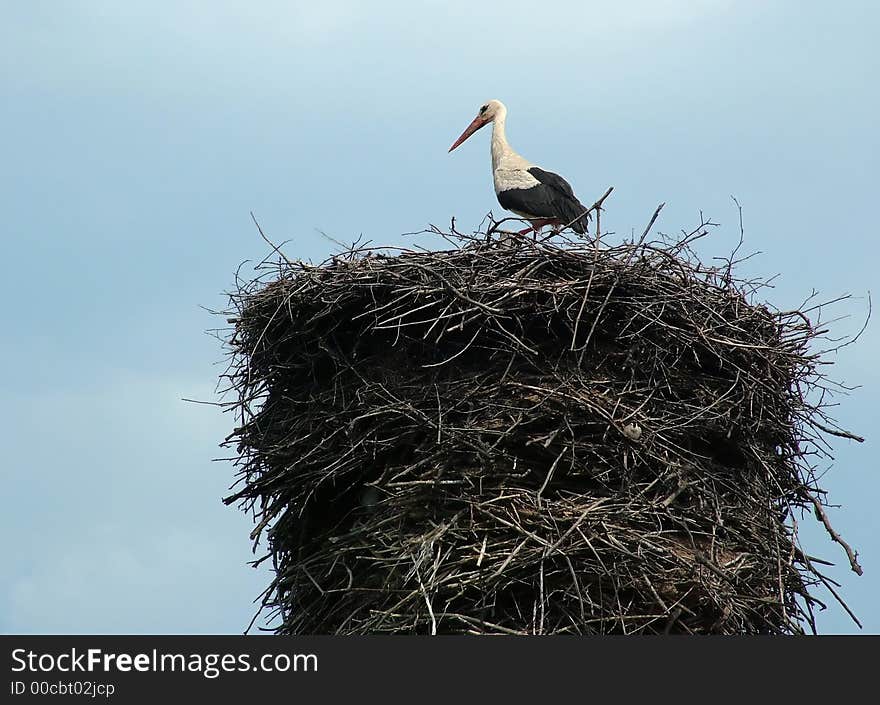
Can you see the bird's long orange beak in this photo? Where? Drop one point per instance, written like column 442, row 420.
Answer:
column 477, row 123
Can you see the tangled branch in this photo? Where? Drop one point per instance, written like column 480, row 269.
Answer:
column 528, row 436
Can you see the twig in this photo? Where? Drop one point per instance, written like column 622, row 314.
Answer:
column 268, row 241
column 823, row 517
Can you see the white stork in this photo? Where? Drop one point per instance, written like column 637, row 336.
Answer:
column 540, row 196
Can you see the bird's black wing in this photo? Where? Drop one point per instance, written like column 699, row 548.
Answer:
column 539, row 201
column 554, row 181
column 566, row 206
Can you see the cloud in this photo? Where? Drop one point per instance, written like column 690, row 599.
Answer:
column 282, row 20
column 117, row 578
column 120, row 527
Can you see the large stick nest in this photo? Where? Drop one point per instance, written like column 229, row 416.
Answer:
column 528, row 437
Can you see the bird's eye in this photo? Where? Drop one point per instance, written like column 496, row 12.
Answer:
column 483, row 109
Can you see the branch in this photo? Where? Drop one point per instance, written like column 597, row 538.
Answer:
column 823, row 517
column 271, row 244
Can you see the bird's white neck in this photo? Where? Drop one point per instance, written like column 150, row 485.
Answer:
column 500, row 147
column 502, row 153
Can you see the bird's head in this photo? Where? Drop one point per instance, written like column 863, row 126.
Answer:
column 487, row 113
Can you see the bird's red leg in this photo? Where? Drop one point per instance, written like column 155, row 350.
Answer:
column 536, row 226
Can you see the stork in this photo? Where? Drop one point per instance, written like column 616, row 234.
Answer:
column 539, row 196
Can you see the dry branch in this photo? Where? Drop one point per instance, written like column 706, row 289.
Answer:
column 528, row 436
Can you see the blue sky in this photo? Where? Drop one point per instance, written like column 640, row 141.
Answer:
column 136, row 137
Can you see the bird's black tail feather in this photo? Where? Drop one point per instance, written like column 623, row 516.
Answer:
column 576, row 216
